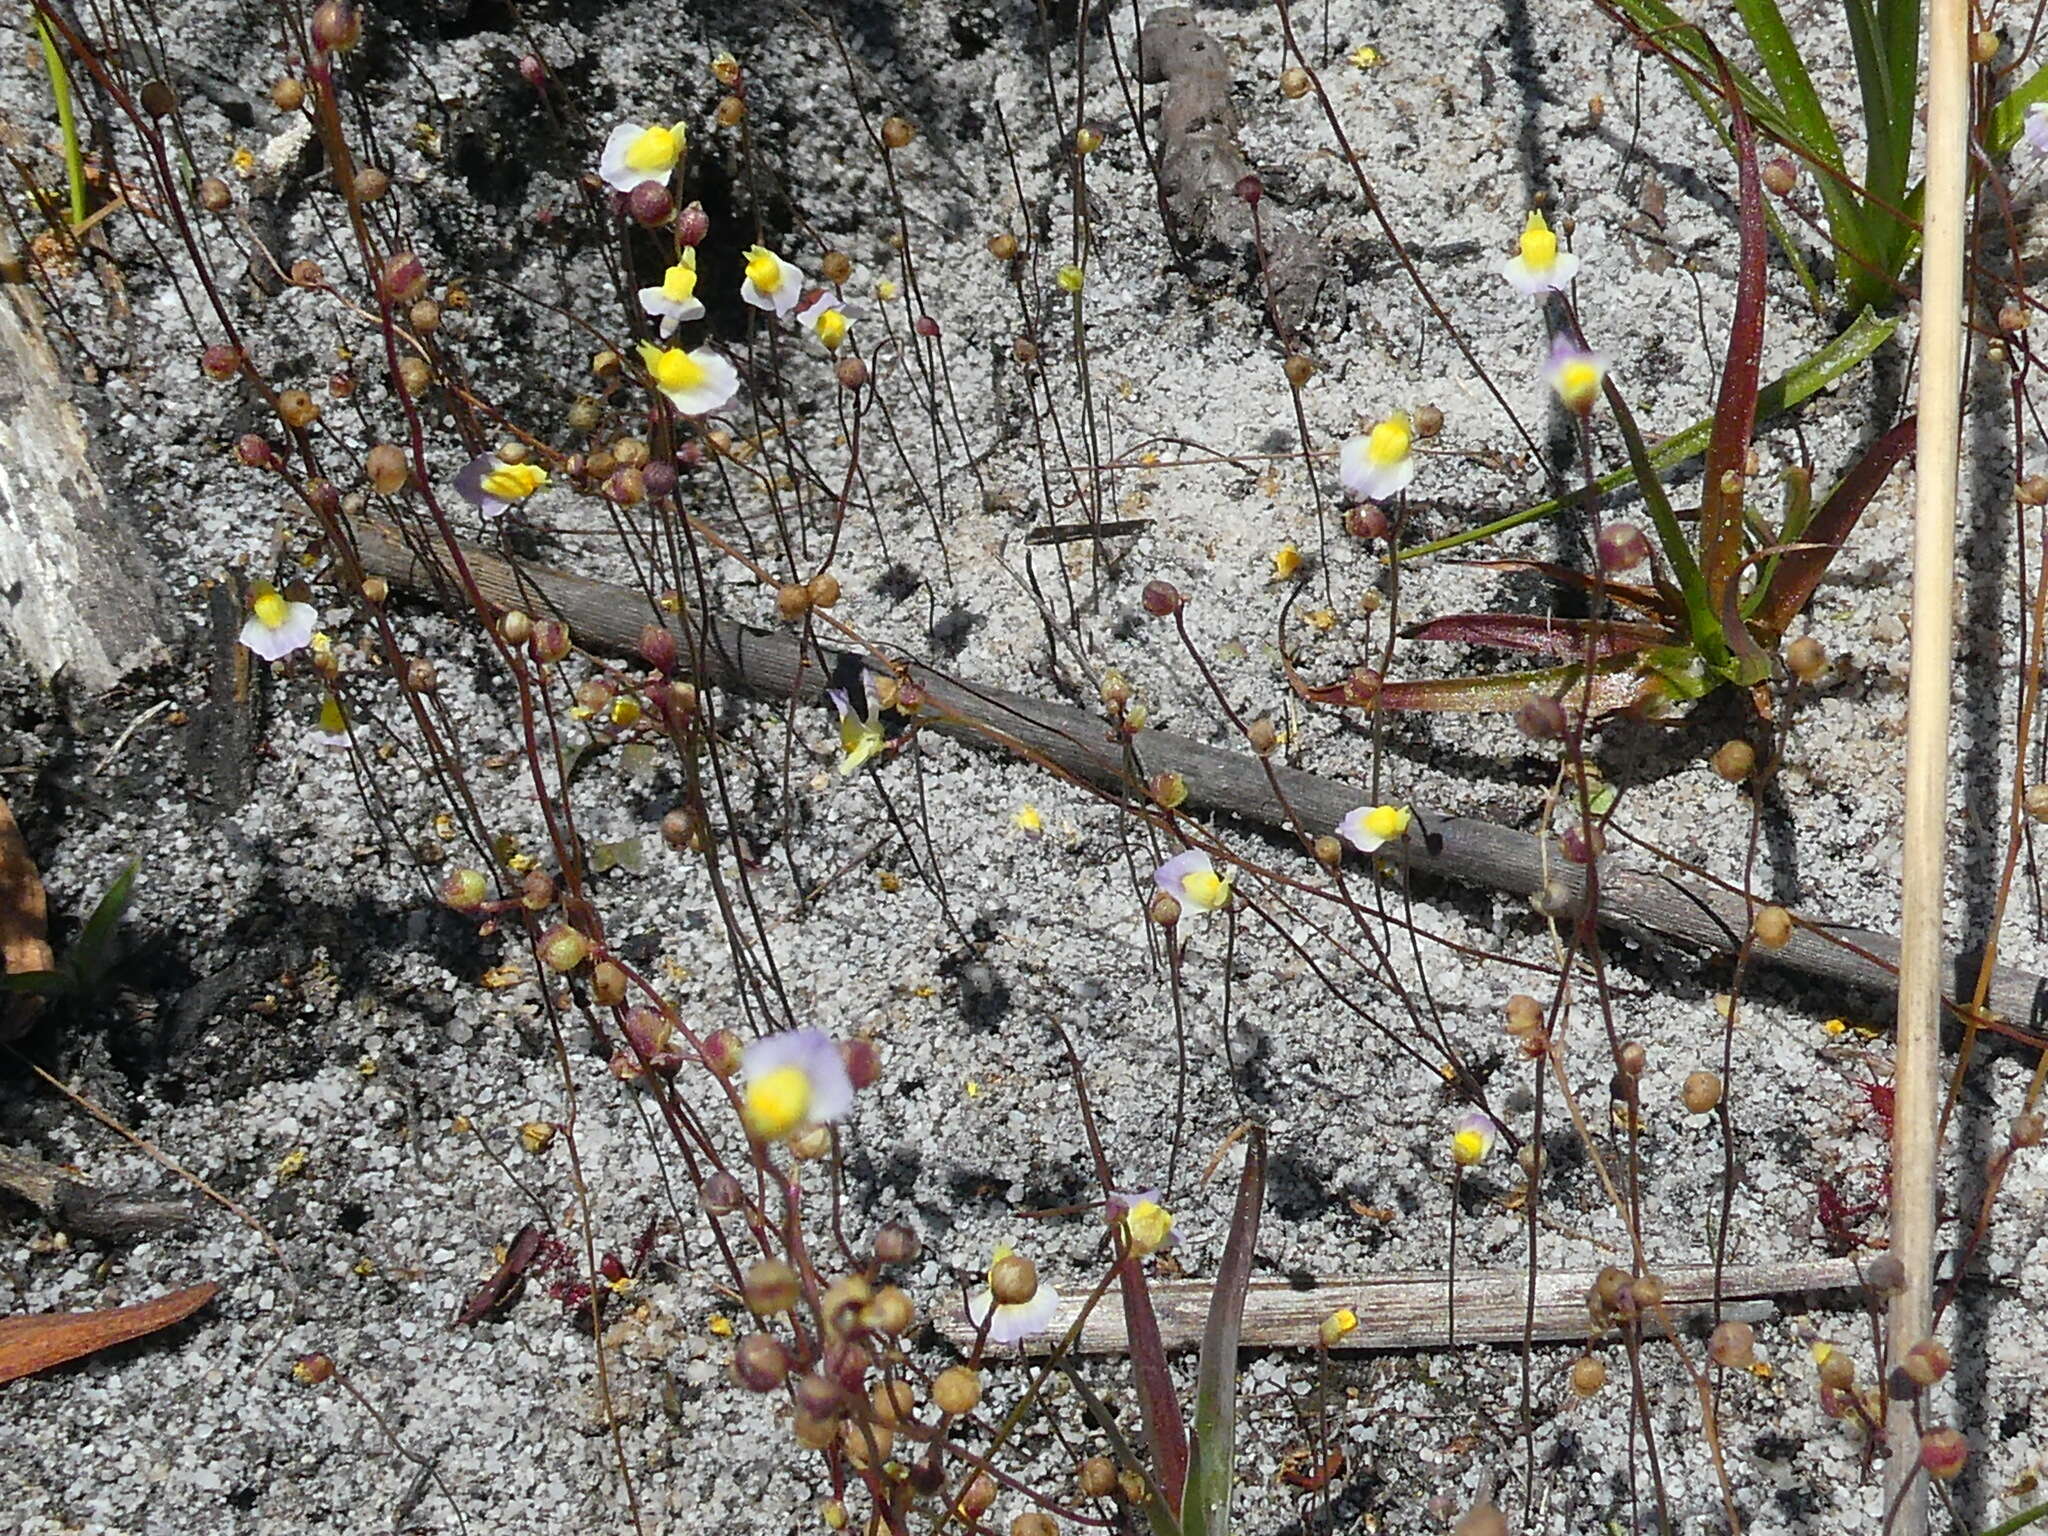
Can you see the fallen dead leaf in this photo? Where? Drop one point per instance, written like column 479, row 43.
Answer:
column 46, row 1339
column 24, row 921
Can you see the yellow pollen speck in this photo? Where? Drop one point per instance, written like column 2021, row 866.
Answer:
column 776, row 1102
column 1286, row 561
column 1071, row 279
column 886, row 290
column 1835, row 1027
column 293, row 1164
column 972, row 1089
column 1320, row 618
column 243, row 160
column 1365, row 56
column 1028, row 821
column 367, row 1066
column 889, row 881
column 720, row 1325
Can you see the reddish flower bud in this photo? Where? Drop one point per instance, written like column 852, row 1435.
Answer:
column 337, row 26
column 1162, row 599
column 650, row 205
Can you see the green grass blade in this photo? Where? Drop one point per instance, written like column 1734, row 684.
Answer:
column 2007, row 124
column 67, row 119
column 1212, row 1450
column 1795, row 386
column 1701, row 622
column 1161, row 1518
column 1789, row 585
column 1787, row 68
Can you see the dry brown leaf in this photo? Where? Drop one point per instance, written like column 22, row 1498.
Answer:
column 38, row 1342
column 24, row 916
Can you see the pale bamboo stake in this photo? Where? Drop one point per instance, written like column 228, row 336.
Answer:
column 1917, row 1105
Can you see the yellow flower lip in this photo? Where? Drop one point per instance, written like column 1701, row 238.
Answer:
column 1538, row 243
column 777, row 1102
column 514, row 482
column 270, row 609
column 654, row 149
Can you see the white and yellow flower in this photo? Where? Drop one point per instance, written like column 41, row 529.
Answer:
column 640, row 152
column 791, row 1081
column 1191, row 879
column 1575, row 374
column 1472, row 1137
column 771, row 283
column 674, row 299
column 860, row 734
column 276, row 627
column 824, row 319
column 695, row 382
column 493, row 486
column 1147, row 1224
column 1538, row 266
column 1380, row 464
column 1011, row 1322
column 1369, row 827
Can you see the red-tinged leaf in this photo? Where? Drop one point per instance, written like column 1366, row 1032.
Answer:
column 1617, row 688
column 1799, row 570
column 1645, row 600
column 1543, row 635
column 36, row 1343
column 1212, row 1469
column 24, row 931
column 498, row 1290
column 1720, row 556
column 1166, row 1433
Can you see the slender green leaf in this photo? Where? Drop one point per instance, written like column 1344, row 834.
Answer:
column 1701, row 622
column 1795, row 386
column 90, row 951
column 36, row 983
column 1166, row 1434
column 1205, row 1510
column 2019, row 1522
column 2007, row 124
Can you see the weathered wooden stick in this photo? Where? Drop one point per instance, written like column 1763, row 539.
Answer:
column 1409, row 1311
column 608, row 618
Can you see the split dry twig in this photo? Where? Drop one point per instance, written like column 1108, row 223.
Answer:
column 1408, row 1311
column 608, row 619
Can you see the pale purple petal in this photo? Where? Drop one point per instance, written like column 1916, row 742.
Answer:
column 813, row 1053
column 1171, row 877
column 1352, row 830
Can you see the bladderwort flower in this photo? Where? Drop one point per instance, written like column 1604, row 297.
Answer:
column 1380, row 464
column 793, row 1080
column 1012, row 1322
column 1539, row 266
column 1148, row 1224
column 640, row 152
column 2036, row 130
column 276, row 627
column 860, row 734
column 696, row 382
column 1472, row 1137
column 1575, row 374
column 674, row 299
column 1369, row 827
column 824, row 319
column 1191, row 879
column 493, row 487
column 771, row 283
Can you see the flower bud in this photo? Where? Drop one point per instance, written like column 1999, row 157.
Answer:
column 890, row 1312
column 312, row 1370
column 1003, row 246
column 1781, row 174
column 721, row 1194
column 1589, row 1375
column 1926, row 1362
column 514, row 627
column 404, row 277
column 863, row 1059
column 692, row 225
column 1162, row 599
column 1732, row 1344
column 956, row 1390
column 254, row 451
column 213, row 195
column 1164, row 909
column 1299, row 369
column 926, row 326
column 1701, row 1092
column 1621, row 547
column 1097, row 1477
column 1013, row 1279
column 220, row 362
column 562, row 948
column 1773, row 927
column 371, row 184
column 761, row 1362
column 1944, row 1453
column 296, row 409
column 1249, row 188
column 387, row 469
column 1541, row 718
column 823, row 589
column 722, row 1053
column 1167, row 789
column 771, row 1286
column 896, row 1244
column 337, row 26
column 650, row 205
column 551, row 640
column 1806, row 658
column 1735, row 761
column 1294, row 82
column 897, row 132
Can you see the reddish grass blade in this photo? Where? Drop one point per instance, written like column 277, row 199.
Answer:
column 1721, row 555
column 1210, row 1471
column 31, row 1344
column 1799, row 570
column 1662, row 606
column 1540, row 634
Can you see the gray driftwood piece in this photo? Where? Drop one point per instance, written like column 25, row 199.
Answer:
column 1410, row 1311
column 608, row 619
column 79, row 593
column 72, row 1205
column 1201, row 164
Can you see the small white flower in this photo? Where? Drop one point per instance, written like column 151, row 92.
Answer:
column 1379, row 465
column 771, row 283
column 492, row 486
column 1011, row 1322
column 674, row 299
column 276, row 628
column 1539, row 266
column 640, row 152
column 1575, row 374
column 695, row 383
column 1370, row 826
column 824, row 319
column 792, row 1080
column 1191, row 879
